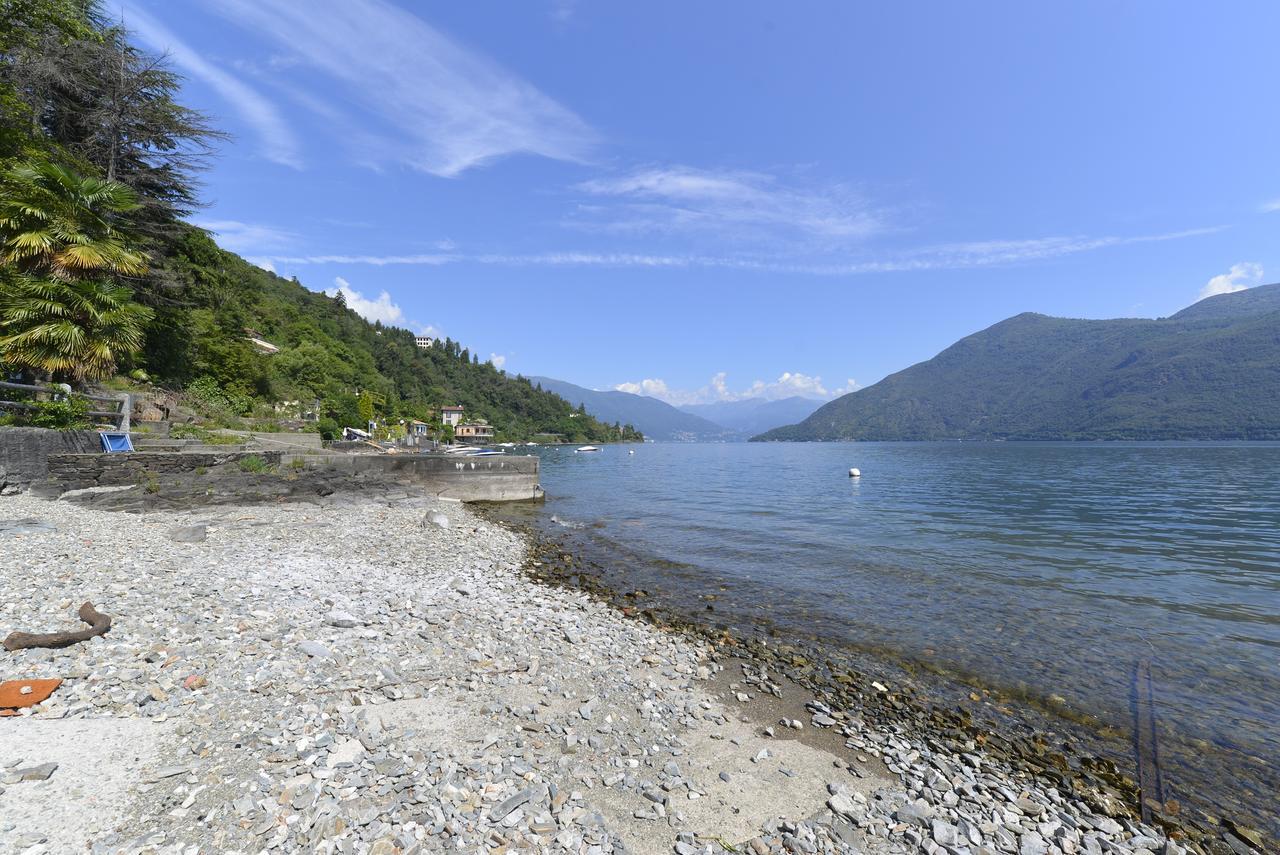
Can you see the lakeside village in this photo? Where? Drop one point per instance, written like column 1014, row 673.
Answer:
column 446, row 428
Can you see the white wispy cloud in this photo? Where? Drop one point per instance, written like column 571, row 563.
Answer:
column 1244, row 275
column 425, row 99
column 1270, row 206
column 380, row 308
column 498, row 360
column 279, row 143
column 428, row 259
column 241, row 237
column 788, row 384
column 738, row 205
column 951, row 256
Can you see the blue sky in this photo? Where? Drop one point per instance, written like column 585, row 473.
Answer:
column 706, row 200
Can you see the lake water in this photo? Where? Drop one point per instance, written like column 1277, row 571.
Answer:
column 1048, row 569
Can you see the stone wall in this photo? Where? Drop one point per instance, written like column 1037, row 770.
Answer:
column 501, row 478
column 77, row 471
column 25, row 452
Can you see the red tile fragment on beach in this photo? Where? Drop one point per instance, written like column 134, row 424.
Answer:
column 12, row 697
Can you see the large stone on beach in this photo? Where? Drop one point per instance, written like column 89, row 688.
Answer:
column 342, row 620
column 348, row 752
column 315, row 650
column 1032, row 844
column 945, row 834
column 189, row 534
column 505, row 807
column 841, row 804
column 914, row 813
column 36, row 773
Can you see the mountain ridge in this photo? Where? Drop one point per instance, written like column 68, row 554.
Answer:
column 1210, row 371
column 750, row 416
column 655, row 419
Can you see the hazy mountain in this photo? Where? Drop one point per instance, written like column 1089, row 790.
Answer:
column 755, row 415
column 1212, row 371
column 654, row 418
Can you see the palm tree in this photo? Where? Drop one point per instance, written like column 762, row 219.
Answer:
column 62, row 243
column 79, row 328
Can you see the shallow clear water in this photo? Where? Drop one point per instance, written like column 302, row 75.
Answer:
column 1049, row 568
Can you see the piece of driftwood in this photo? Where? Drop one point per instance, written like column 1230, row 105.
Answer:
column 98, row 624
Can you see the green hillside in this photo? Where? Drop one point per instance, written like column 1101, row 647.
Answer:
column 1211, row 371
column 100, row 274
column 329, row 353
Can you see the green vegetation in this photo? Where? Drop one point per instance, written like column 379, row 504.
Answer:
column 52, row 408
column 254, row 463
column 62, row 310
column 1212, row 371
column 203, row 435
column 101, row 275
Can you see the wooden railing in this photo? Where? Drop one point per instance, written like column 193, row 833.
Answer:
column 119, row 416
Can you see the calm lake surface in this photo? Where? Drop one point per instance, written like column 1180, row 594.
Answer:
column 1047, row 569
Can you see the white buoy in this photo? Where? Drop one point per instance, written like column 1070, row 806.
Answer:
column 855, row 473
column 630, row 452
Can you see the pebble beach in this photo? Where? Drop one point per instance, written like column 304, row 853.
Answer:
column 379, row 673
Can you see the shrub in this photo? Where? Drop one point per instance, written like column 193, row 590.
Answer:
column 226, row 405
column 70, row 414
column 254, row 463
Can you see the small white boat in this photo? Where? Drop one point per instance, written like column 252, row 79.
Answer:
column 472, row 451
column 586, row 448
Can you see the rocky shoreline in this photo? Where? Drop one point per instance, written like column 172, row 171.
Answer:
column 380, row 672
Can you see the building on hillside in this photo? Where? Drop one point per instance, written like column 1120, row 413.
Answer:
column 259, row 343
column 478, row 432
column 451, row 416
column 424, row 341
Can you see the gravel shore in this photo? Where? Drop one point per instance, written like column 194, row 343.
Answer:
column 364, row 674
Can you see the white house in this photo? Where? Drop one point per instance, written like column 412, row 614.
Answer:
column 451, row 416
column 424, row 341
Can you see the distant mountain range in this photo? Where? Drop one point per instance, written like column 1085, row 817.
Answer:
column 721, row 421
column 655, row 419
column 1212, row 371
column 751, row 416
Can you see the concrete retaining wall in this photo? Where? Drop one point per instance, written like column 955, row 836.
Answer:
column 25, row 451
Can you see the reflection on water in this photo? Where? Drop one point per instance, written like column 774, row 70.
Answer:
column 1049, row 568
